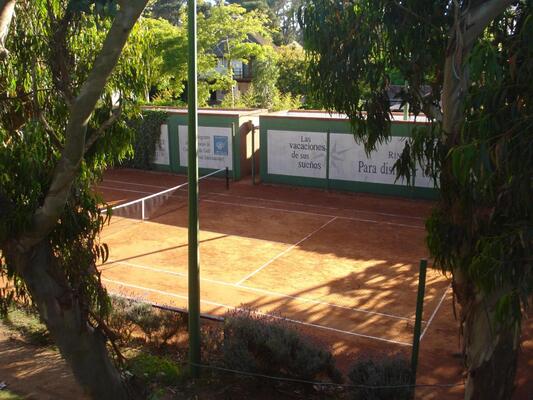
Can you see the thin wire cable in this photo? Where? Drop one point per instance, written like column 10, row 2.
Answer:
column 317, row 383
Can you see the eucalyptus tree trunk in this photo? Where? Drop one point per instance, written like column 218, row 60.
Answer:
column 7, row 9
column 65, row 315
column 490, row 349
column 82, row 346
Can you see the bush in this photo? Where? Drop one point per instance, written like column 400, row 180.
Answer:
column 383, row 372
column 155, row 369
column 159, row 326
column 124, row 316
column 147, row 135
column 269, row 346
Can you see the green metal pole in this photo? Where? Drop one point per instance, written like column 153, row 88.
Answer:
column 194, row 256
column 418, row 319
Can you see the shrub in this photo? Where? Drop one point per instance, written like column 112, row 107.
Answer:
column 383, row 372
column 147, row 130
column 270, row 346
column 124, row 316
column 155, row 369
column 160, row 326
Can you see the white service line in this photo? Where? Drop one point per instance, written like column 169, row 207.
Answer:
column 296, row 203
column 287, row 210
column 315, row 214
column 430, row 320
column 258, row 313
column 284, row 252
column 258, row 290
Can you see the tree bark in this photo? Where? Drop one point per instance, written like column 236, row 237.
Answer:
column 46, row 217
column 82, row 346
column 7, row 10
column 65, row 315
column 490, row 349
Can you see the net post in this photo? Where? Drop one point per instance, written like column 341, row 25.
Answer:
column 194, row 256
column 142, row 210
column 227, row 178
column 418, row 320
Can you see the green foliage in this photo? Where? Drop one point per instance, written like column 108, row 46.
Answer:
column 8, row 395
column 52, row 51
column 159, row 326
column 147, row 130
column 171, row 10
column 264, row 345
column 387, row 371
column 282, row 15
column 124, row 316
column 353, row 45
column 26, row 321
column 483, row 224
column 292, row 66
column 155, row 369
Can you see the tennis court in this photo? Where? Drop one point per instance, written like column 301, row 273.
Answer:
column 333, row 263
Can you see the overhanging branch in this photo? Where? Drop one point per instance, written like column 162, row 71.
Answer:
column 481, row 16
column 7, row 10
column 115, row 115
column 45, row 218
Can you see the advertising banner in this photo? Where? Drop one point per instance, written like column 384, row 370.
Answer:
column 215, row 147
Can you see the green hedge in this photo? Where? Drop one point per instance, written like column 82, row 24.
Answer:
column 147, row 133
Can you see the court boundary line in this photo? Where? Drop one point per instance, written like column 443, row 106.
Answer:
column 435, row 311
column 263, row 291
column 289, row 211
column 296, row 203
column 284, row 252
column 228, row 307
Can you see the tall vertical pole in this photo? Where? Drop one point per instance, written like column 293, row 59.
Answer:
column 194, row 256
column 418, row 319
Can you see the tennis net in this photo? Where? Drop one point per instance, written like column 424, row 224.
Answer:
column 157, row 204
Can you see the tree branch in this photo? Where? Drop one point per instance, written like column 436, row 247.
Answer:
column 481, row 16
column 46, row 217
column 7, row 10
column 115, row 114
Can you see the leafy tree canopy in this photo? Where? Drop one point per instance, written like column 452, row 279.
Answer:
column 477, row 59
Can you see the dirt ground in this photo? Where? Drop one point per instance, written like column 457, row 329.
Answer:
column 35, row 373
column 342, row 266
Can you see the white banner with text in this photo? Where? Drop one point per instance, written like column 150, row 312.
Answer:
column 297, row 153
column 215, row 147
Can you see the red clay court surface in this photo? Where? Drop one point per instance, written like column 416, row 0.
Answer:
column 343, row 267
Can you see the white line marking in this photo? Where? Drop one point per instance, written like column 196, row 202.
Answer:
column 296, row 203
column 289, row 211
column 315, row 214
column 284, row 252
column 252, row 289
column 259, row 313
column 435, row 311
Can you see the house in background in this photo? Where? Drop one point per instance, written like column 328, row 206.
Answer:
column 242, row 71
